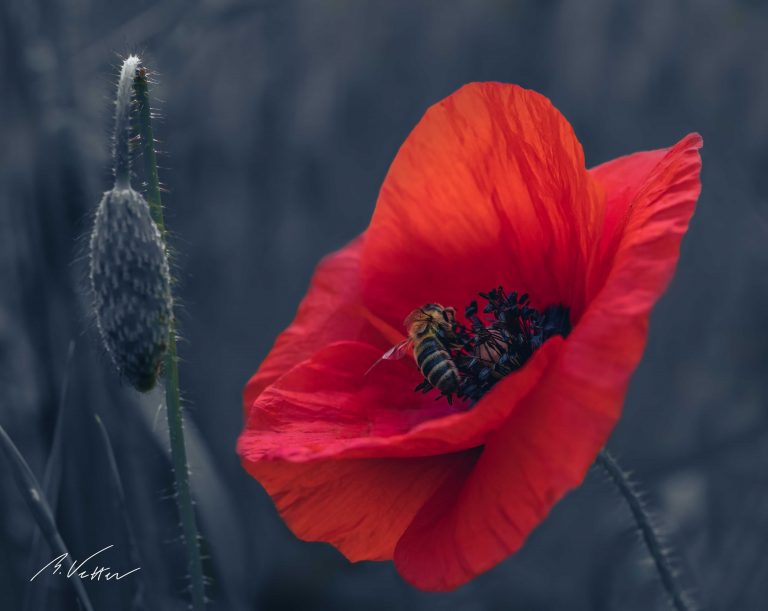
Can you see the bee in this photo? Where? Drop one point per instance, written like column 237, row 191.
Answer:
column 430, row 335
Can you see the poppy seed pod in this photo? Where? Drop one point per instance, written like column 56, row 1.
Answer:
column 131, row 286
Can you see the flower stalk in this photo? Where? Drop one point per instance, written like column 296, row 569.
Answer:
column 171, row 371
column 645, row 525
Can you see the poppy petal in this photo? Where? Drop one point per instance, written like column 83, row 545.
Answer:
column 620, row 179
column 361, row 507
column 490, row 187
column 328, row 407
column 546, row 446
column 329, row 312
column 479, row 518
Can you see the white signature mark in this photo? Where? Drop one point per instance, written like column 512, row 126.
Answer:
column 78, row 570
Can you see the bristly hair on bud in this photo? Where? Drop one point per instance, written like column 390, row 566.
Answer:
column 121, row 152
column 129, row 271
column 131, row 285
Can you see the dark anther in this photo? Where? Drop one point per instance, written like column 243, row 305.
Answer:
column 499, row 341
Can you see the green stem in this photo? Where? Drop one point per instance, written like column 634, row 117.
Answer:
column 171, row 370
column 648, row 532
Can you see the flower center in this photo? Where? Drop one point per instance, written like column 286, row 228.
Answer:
column 499, row 341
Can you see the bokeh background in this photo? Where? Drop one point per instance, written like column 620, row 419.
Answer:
column 279, row 121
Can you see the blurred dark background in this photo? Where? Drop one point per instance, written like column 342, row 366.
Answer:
column 279, row 121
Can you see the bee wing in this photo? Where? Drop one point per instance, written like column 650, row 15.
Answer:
column 396, row 352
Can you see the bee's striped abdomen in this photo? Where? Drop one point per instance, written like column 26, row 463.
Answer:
column 436, row 365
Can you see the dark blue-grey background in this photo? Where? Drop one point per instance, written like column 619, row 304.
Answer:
column 279, row 121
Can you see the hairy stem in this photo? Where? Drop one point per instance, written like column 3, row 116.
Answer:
column 171, row 370
column 648, row 532
column 122, row 152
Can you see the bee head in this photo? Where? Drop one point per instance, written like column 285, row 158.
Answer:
column 431, row 315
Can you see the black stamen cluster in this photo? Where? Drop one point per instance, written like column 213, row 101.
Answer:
column 500, row 339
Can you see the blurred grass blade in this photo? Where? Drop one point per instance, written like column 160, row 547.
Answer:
column 35, row 598
column 133, row 548
column 41, row 511
column 52, row 473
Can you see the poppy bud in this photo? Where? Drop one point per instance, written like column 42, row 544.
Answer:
column 131, row 286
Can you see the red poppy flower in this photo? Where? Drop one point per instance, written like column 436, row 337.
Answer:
column 489, row 189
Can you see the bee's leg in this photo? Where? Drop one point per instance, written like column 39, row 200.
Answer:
column 424, row 387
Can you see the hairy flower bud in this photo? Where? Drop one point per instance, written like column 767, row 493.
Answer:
column 131, row 286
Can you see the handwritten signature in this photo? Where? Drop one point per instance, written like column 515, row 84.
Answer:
column 77, row 568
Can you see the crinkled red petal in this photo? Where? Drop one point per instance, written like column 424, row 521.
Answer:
column 489, row 188
column 546, row 446
column 328, row 407
column 330, row 312
column 360, row 506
